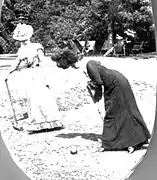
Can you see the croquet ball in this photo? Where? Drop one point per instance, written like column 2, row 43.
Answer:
column 73, row 150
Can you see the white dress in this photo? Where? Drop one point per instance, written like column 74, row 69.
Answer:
column 44, row 112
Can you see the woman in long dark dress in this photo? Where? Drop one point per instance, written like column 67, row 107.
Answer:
column 124, row 126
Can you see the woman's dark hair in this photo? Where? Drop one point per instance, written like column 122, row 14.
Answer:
column 64, row 57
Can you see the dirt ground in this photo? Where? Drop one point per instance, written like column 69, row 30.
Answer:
column 47, row 155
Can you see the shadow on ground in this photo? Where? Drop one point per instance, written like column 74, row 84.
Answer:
column 97, row 137
column 87, row 136
column 45, row 130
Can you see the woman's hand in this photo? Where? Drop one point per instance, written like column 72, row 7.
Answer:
column 6, row 77
column 41, row 57
column 97, row 91
column 92, row 85
column 8, row 74
column 13, row 68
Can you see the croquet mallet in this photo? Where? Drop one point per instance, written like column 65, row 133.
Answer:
column 13, row 110
column 91, row 94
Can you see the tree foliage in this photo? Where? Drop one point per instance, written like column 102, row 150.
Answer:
column 57, row 20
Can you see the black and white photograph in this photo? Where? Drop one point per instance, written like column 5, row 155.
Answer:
column 77, row 86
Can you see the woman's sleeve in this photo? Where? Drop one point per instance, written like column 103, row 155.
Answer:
column 39, row 47
column 98, row 93
column 40, row 52
column 18, row 60
column 94, row 75
column 19, row 53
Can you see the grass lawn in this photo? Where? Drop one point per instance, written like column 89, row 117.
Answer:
column 47, row 156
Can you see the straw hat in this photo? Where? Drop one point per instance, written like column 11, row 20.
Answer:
column 23, row 32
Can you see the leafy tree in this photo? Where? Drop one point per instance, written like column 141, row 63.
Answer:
column 57, row 20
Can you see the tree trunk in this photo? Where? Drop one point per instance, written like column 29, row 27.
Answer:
column 110, row 35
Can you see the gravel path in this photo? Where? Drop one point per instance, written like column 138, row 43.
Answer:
column 47, row 156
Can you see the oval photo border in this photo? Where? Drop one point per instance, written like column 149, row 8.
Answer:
column 143, row 171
